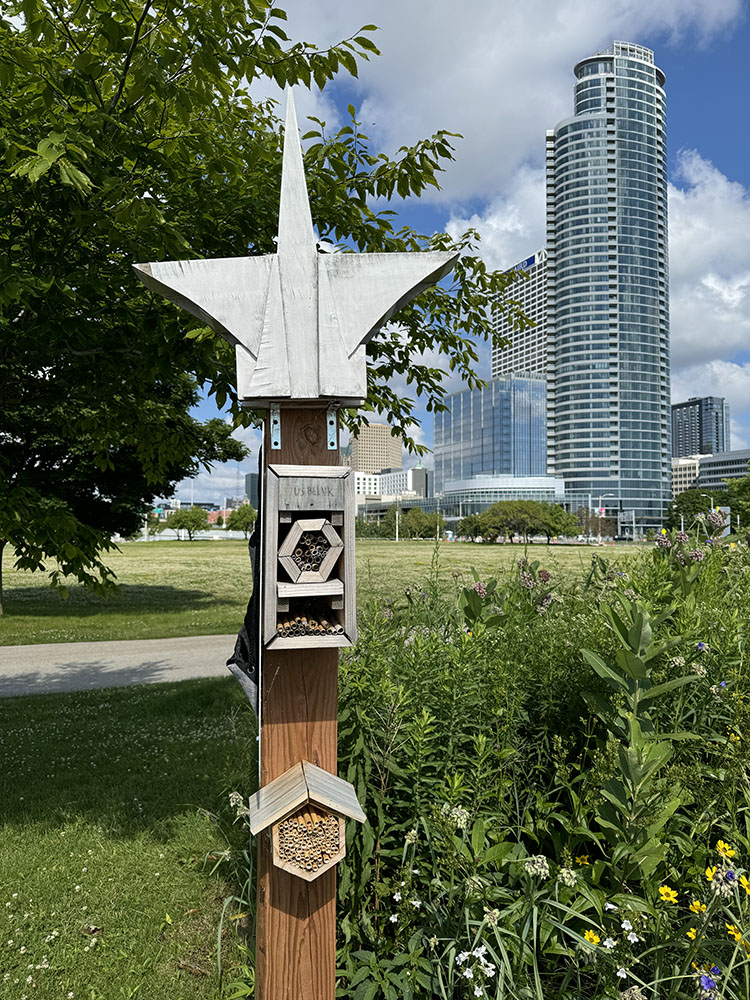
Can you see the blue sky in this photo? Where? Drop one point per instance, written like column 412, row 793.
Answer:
column 501, row 74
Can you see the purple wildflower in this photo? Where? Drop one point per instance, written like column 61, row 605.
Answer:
column 544, row 575
column 697, row 555
column 682, row 536
column 480, row 588
column 707, row 982
column 663, row 542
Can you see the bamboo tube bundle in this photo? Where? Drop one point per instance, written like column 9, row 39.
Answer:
column 310, row 551
column 313, row 623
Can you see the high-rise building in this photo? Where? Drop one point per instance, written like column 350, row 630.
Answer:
column 498, row 430
column 700, row 426
column 528, row 350
column 607, row 284
column 375, row 449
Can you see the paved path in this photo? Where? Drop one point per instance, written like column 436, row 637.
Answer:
column 80, row 666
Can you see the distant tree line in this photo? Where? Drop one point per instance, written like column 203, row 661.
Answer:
column 519, row 518
column 412, row 523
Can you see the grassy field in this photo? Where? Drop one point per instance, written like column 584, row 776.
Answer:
column 202, row 587
column 108, row 854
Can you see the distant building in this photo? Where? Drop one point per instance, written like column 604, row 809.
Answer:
column 496, row 431
column 375, row 449
column 700, row 426
column 476, row 494
column 529, row 348
column 416, row 481
column 685, row 473
column 404, row 482
column 714, row 469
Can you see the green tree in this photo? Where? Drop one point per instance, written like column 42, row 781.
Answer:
column 469, row 527
column 242, row 519
column 738, row 499
column 555, row 521
column 191, row 519
column 495, row 521
column 128, row 132
column 219, row 521
column 685, row 506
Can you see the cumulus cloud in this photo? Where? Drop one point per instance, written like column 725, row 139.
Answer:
column 499, row 74
column 709, row 223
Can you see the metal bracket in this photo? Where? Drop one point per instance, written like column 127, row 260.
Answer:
column 275, row 428
column 332, row 424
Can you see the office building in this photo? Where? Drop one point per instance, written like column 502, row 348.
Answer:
column 528, row 350
column 700, row 426
column 498, row 430
column 714, row 469
column 375, row 449
column 607, row 287
column 404, row 482
column 685, row 471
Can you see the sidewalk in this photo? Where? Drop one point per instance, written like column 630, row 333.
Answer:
column 80, row 666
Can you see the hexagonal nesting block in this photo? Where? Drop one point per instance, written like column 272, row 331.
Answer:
column 308, row 842
column 305, row 808
column 310, row 550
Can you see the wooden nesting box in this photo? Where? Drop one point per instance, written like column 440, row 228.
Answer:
column 305, row 808
column 309, row 595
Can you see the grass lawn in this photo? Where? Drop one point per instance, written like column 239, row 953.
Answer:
column 105, row 890
column 202, row 587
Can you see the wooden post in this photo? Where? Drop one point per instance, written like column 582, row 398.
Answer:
column 299, row 321
column 296, row 923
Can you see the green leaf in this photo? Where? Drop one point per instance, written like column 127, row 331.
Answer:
column 666, row 686
column 605, row 672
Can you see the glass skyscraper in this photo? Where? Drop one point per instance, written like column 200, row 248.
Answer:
column 498, row 430
column 607, row 286
column 700, row 426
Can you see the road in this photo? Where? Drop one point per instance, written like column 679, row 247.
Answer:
column 80, row 666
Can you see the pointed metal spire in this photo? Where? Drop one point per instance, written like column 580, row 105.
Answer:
column 295, row 221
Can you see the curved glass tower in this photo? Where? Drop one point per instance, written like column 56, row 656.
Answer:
column 608, row 293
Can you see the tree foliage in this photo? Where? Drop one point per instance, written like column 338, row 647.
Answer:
column 520, row 517
column 738, row 499
column 128, row 132
column 191, row 520
column 685, row 506
column 242, row 519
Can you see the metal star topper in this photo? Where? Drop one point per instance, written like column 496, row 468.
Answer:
column 299, row 319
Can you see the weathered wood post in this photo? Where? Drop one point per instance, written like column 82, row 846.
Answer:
column 300, row 321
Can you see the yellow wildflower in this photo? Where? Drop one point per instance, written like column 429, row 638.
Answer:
column 697, row 907
column 734, row 738
column 745, row 883
column 725, row 850
column 734, row 931
column 582, row 859
column 667, row 894
column 710, row 872
column 592, row 937
column 692, row 933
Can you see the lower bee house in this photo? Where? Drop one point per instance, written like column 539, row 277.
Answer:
column 305, row 808
column 309, row 590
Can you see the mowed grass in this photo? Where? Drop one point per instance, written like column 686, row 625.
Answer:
column 202, row 587
column 109, row 881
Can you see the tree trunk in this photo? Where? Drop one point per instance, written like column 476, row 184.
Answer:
column 2, row 546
